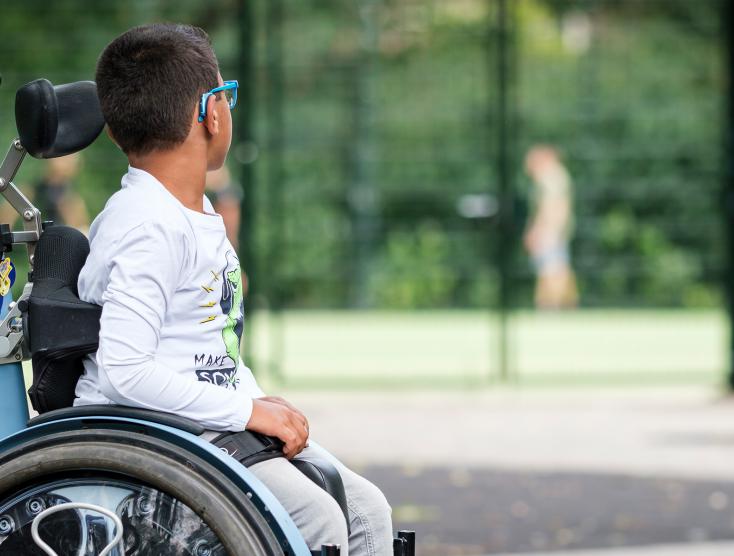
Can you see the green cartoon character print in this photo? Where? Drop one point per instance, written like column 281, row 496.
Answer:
column 233, row 308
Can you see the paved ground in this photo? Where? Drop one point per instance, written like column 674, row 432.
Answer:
column 632, row 472
column 698, row 549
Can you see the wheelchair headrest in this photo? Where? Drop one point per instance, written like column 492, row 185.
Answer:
column 56, row 121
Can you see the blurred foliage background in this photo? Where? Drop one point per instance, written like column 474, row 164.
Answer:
column 382, row 122
column 388, row 125
column 373, row 170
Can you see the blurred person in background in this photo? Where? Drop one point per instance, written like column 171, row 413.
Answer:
column 549, row 232
column 55, row 196
column 226, row 197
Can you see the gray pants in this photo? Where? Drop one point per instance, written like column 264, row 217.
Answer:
column 317, row 515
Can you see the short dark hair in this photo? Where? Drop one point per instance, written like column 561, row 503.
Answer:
column 150, row 79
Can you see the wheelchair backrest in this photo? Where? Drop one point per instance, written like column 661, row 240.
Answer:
column 60, row 328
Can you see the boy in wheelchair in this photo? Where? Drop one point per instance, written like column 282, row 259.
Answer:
column 170, row 285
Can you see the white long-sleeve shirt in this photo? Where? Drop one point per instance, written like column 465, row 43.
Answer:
column 170, row 287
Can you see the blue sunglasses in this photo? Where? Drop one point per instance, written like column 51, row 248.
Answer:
column 230, row 92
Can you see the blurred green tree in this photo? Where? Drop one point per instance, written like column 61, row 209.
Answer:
column 394, row 107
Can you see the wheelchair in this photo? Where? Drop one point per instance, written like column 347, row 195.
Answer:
column 106, row 480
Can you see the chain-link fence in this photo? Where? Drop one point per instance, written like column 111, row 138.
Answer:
column 394, row 176
column 389, row 198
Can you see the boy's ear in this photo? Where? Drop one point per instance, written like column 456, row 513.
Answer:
column 211, row 120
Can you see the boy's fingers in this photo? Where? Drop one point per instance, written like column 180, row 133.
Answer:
column 300, row 424
column 295, row 412
column 289, row 405
column 288, row 450
column 297, row 441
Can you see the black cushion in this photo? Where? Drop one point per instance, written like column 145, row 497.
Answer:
column 325, row 475
column 56, row 121
column 61, row 329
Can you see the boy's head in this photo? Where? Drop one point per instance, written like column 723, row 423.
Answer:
column 150, row 80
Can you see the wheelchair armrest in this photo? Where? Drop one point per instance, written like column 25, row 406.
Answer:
column 159, row 417
column 325, row 475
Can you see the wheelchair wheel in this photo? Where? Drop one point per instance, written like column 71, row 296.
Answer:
column 170, row 503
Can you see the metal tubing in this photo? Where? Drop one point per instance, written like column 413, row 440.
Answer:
column 12, row 161
column 79, row 506
column 30, row 215
column 13, row 404
column 11, row 333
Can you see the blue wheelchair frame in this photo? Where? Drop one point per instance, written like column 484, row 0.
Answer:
column 280, row 522
column 13, row 403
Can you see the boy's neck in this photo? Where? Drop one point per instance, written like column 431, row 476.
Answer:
column 182, row 173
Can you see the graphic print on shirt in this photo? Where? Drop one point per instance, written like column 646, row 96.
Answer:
column 232, row 305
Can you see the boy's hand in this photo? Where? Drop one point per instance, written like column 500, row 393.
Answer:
column 282, row 401
column 279, row 419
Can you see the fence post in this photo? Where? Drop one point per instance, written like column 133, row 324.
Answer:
column 362, row 193
column 728, row 189
column 504, row 160
column 245, row 141
column 275, row 182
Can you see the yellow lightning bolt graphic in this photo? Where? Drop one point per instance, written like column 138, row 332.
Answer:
column 216, row 276
column 207, row 289
column 208, row 319
column 210, row 304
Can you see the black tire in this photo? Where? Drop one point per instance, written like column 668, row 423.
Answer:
column 224, row 508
